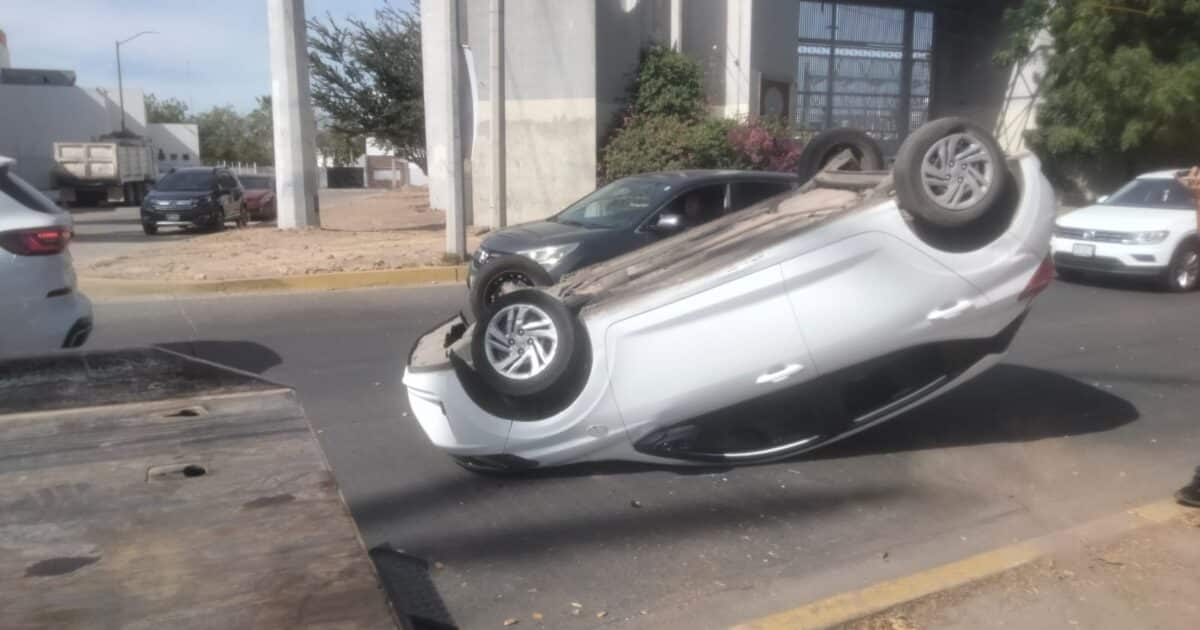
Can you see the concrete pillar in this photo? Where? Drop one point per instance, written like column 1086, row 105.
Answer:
column 295, row 125
column 677, row 25
column 497, row 99
column 440, row 55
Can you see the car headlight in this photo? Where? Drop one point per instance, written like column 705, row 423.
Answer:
column 548, row 257
column 1146, row 238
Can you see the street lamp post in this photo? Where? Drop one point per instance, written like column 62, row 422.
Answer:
column 120, row 83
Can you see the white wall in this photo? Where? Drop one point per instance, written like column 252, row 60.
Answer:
column 34, row 117
column 176, row 145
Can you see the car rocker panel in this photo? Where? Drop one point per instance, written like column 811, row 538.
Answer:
column 751, row 339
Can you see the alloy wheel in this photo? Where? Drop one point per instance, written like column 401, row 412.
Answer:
column 1189, row 271
column 521, row 341
column 957, row 171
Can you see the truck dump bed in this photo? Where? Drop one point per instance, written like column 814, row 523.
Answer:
column 144, row 489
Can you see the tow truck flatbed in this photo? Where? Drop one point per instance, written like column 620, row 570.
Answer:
column 146, row 489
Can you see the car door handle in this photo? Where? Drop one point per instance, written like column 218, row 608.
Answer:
column 950, row 312
column 780, row 375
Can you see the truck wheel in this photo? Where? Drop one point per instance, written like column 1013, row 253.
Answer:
column 950, row 173
column 501, row 276
column 524, row 346
column 829, row 144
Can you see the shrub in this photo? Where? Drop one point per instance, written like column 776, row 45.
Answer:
column 765, row 145
column 667, row 143
column 668, row 83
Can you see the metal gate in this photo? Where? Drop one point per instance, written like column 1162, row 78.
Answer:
column 866, row 67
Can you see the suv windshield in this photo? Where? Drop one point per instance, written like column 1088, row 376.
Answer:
column 256, row 182
column 620, row 204
column 186, row 180
column 1153, row 193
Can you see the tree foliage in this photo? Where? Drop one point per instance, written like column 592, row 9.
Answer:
column 367, row 78
column 227, row 136
column 1122, row 78
column 167, row 110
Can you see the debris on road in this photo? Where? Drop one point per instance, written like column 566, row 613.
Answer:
column 511, row 622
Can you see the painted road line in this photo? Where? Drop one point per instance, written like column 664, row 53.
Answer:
column 846, row 607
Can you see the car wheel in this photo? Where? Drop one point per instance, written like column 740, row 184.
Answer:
column 525, row 345
column 150, row 228
column 1184, row 270
column 829, row 144
column 503, row 276
column 950, row 173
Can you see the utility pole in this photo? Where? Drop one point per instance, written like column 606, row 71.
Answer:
column 496, row 79
column 456, row 229
column 294, row 124
column 120, row 80
column 677, row 25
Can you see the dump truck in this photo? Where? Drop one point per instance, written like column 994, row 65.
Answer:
column 116, row 170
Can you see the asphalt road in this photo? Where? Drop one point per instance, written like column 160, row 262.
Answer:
column 1094, row 412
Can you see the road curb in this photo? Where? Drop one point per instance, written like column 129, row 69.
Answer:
column 106, row 288
column 871, row 600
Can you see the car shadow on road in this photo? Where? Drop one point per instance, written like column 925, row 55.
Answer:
column 132, row 237
column 242, row 355
column 1010, row 403
column 1116, row 283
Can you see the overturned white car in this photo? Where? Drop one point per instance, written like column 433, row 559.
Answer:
column 760, row 335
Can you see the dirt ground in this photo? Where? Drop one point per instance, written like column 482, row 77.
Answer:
column 360, row 232
column 1147, row 579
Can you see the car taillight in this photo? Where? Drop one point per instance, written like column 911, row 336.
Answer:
column 1040, row 281
column 36, row 242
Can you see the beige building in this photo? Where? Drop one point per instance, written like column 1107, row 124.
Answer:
column 885, row 66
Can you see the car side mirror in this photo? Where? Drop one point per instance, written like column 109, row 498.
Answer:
column 667, row 223
column 1101, row 198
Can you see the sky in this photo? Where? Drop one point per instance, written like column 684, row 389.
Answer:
column 206, row 52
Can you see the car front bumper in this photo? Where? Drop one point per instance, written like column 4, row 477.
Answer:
column 1110, row 258
column 180, row 217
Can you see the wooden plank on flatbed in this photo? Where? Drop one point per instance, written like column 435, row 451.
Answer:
column 204, row 508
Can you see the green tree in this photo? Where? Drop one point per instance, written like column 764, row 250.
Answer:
column 258, row 145
column 340, row 148
column 367, row 78
column 1122, row 79
column 167, row 110
column 668, row 83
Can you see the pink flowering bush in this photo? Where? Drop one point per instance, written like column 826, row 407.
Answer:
column 765, row 145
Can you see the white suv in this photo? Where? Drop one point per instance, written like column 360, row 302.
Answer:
column 1147, row 229
column 40, row 310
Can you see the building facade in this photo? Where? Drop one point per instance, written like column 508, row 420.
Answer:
column 886, row 66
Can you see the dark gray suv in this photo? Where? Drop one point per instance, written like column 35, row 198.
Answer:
column 617, row 218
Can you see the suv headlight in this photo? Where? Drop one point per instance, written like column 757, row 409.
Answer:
column 550, row 256
column 1146, row 238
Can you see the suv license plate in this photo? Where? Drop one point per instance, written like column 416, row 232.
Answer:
column 175, row 217
column 1085, row 251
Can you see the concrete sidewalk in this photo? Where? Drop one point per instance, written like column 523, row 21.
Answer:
column 1145, row 578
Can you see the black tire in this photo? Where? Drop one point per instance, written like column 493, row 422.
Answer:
column 217, row 223
column 828, row 144
column 490, row 282
column 150, row 228
column 243, row 217
column 922, row 200
column 543, row 308
column 1070, row 275
column 1185, row 259
column 139, row 193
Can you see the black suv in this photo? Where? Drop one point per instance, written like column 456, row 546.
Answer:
column 204, row 197
column 620, row 217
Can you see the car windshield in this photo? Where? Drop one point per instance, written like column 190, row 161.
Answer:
column 1165, row 194
column 620, row 204
column 253, row 182
column 186, row 180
